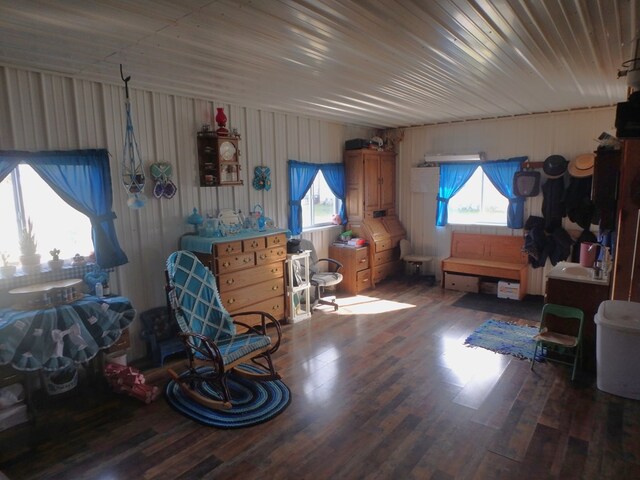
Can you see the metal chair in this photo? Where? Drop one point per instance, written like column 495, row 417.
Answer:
column 562, row 338
column 320, row 280
column 209, row 333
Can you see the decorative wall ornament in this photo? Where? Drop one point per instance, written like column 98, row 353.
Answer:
column 132, row 170
column 161, row 173
column 262, row 178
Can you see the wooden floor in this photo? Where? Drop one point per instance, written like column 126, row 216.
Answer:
column 383, row 388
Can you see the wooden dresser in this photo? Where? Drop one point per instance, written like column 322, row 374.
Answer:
column 355, row 267
column 249, row 270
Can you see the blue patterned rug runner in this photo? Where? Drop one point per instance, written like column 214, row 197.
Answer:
column 506, row 338
column 253, row 402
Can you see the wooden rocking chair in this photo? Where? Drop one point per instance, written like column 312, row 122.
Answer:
column 209, row 333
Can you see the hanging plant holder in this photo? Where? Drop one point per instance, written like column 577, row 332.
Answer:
column 132, row 170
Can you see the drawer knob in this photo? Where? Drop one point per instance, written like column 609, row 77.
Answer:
column 275, row 287
column 254, row 244
column 226, row 264
column 275, row 307
column 231, row 300
column 274, row 270
column 263, row 256
column 276, row 240
column 231, row 281
column 246, row 260
column 229, row 249
column 280, row 252
column 363, row 260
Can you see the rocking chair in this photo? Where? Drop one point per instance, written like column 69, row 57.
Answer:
column 209, row 333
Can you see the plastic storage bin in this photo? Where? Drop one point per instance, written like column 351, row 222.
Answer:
column 618, row 348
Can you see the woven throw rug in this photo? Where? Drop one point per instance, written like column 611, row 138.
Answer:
column 253, row 402
column 507, row 338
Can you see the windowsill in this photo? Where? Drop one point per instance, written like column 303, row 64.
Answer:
column 320, row 228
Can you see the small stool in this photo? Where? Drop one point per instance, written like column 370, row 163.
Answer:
column 416, row 261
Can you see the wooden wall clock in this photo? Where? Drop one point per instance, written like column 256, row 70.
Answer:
column 218, row 160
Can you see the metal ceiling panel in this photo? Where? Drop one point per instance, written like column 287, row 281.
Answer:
column 378, row 63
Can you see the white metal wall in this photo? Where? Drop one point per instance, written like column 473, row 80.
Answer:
column 537, row 136
column 48, row 112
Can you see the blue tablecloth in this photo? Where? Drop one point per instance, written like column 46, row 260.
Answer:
column 197, row 243
column 54, row 338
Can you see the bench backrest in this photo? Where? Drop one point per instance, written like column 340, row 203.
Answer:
column 498, row 248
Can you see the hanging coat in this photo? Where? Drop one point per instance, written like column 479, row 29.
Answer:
column 553, row 203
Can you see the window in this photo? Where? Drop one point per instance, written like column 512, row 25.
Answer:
column 319, row 204
column 478, row 202
column 24, row 195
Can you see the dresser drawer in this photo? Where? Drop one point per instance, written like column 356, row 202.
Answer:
column 270, row 255
column 243, row 278
column 363, row 280
column 228, row 248
column 254, row 244
column 240, row 298
column 362, row 259
column 383, row 257
column 380, row 272
column 234, row 262
column 279, row 240
column 275, row 306
column 382, row 245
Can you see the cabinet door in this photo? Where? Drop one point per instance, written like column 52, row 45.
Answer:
column 387, row 182
column 355, row 186
column 371, row 182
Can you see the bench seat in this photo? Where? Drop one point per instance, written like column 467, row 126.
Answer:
column 493, row 256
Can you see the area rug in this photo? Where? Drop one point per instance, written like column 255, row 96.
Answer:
column 506, row 338
column 529, row 308
column 253, row 402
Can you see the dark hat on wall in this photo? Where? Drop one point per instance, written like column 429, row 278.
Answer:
column 582, row 165
column 555, row 166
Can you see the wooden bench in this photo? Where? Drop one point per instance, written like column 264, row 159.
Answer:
column 494, row 256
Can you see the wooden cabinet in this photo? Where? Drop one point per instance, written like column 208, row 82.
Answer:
column 371, row 179
column 585, row 296
column 355, row 267
column 250, row 273
column 218, row 160
column 626, row 269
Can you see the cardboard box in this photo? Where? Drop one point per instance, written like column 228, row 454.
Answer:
column 508, row 290
column 461, row 283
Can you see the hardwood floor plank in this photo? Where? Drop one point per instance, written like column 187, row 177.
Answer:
column 389, row 394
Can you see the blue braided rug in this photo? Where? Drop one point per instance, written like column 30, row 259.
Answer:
column 507, row 338
column 253, row 402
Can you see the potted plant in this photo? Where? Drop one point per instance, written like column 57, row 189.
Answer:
column 29, row 259
column 55, row 263
column 6, row 270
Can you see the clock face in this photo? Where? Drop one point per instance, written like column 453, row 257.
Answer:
column 227, row 151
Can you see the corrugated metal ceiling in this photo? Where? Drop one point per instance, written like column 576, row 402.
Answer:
column 380, row 63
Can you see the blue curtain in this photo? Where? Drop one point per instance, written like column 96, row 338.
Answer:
column 453, row 176
column 501, row 174
column 301, row 176
column 334, row 175
column 82, row 179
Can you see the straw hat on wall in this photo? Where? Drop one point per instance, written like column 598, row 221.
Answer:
column 582, row 165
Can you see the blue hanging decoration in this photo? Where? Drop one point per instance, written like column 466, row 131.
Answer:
column 132, row 170
column 262, row 178
column 161, row 173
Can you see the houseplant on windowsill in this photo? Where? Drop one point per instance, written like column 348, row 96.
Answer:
column 6, row 270
column 55, row 263
column 29, row 259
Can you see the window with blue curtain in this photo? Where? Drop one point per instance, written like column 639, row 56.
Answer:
column 83, row 180
column 501, row 174
column 301, row 177
column 454, row 176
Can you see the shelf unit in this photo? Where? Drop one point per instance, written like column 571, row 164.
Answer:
column 298, row 296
